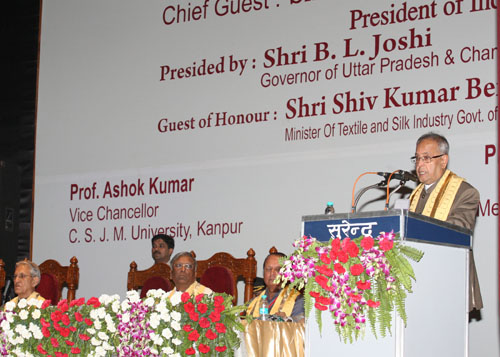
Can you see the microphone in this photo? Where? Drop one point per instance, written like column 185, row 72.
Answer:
column 6, row 289
column 399, row 175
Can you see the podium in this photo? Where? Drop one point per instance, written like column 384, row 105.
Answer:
column 437, row 310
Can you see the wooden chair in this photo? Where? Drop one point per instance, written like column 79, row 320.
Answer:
column 54, row 277
column 244, row 268
column 2, row 278
column 156, row 277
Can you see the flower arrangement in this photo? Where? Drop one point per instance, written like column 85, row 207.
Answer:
column 154, row 326
column 355, row 280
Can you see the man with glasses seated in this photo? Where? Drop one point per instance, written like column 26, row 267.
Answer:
column 26, row 278
column 184, row 275
column 445, row 196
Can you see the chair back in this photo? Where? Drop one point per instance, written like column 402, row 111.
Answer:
column 2, row 278
column 54, row 277
column 230, row 269
column 220, row 279
column 155, row 277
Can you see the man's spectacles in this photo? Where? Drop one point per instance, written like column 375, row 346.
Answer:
column 179, row 266
column 21, row 276
column 425, row 159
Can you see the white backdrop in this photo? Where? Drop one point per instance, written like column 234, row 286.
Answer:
column 113, row 74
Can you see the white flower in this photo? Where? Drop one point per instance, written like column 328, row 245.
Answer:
column 18, row 340
column 156, row 293
column 115, row 306
column 176, row 341
column 125, row 317
column 176, row 355
column 37, row 332
column 149, row 301
column 111, row 327
column 10, row 306
column 101, row 312
column 107, row 346
column 157, row 340
column 176, row 316
column 104, row 299
column 175, row 325
column 35, row 302
column 167, row 333
column 36, row 314
column 125, row 305
column 100, row 351
column 22, row 303
column 23, row 314
column 91, row 331
column 5, row 325
column 133, row 296
column 154, row 320
column 102, row 336
column 97, row 324
column 167, row 350
column 175, row 299
column 38, row 303
column 93, row 314
column 95, row 342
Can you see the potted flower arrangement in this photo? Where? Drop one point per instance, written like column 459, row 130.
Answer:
column 355, row 280
column 154, row 326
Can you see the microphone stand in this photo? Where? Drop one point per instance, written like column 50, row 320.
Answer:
column 382, row 183
column 401, row 184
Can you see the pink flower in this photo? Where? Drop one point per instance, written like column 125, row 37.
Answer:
column 220, row 327
column 320, row 307
column 185, row 296
column 363, row 285
column 339, row 268
column 386, row 244
column 323, row 269
column 202, row 308
column 352, row 249
column 214, row 316
column 372, row 303
column 367, row 243
column 40, row 348
column 190, row 351
column 324, row 258
column 343, row 256
column 218, row 300
column 210, row 335
column 203, row 348
column 94, row 302
column 63, row 305
column 189, row 307
column 220, row 348
column 204, row 322
column 357, row 269
column 193, row 335
column 54, row 342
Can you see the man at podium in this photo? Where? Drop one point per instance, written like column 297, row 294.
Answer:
column 445, row 196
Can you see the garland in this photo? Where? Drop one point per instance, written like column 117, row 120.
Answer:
column 355, row 280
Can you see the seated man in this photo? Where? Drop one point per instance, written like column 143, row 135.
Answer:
column 162, row 248
column 26, row 278
column 285, row 302
column 184, row 275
